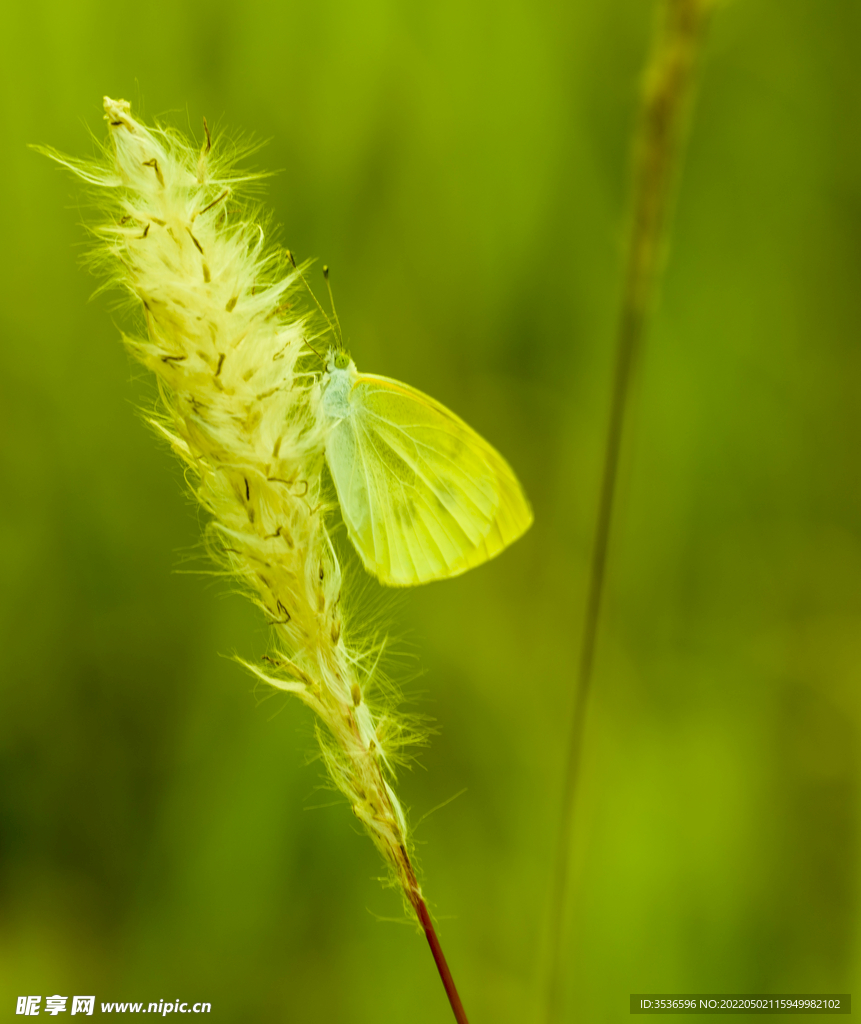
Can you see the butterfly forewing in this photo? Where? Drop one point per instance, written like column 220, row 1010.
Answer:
column 422, row 495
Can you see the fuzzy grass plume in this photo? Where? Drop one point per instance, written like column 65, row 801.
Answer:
column 227, row 347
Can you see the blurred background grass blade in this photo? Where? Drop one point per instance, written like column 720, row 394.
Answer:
column 463, row 170
column 667, row 88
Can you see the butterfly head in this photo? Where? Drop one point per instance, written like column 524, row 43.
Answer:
column 339, row 359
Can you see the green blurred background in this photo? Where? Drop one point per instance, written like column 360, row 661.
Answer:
column 463, row 168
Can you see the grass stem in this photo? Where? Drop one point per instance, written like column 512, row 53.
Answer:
column 439, row 958
column 669, row 82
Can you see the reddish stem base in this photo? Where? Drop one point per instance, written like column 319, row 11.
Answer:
column 439, row 958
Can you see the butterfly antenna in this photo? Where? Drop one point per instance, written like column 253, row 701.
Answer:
column 332, row 304
column 335, row 330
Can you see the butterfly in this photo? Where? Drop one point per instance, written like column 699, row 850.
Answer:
column 423, row 497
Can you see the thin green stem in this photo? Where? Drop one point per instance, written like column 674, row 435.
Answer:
column 668, row 87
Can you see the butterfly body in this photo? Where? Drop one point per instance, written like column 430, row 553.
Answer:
column 339, row 383
column 422, row 495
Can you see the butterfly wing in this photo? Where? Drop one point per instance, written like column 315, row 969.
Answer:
column 422, row 495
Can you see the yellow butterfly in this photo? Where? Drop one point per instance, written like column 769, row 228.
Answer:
column 423, row 496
